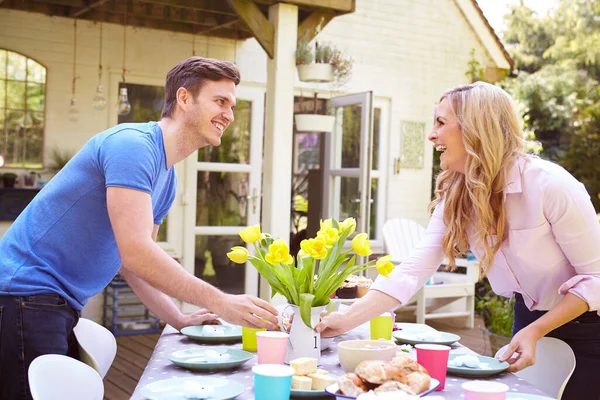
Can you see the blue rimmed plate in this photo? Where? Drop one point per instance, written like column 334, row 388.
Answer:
column 193, row 359
column 224, row 333
column 494, row 366
column 334, row 390
column 425, row 337
column 174, row 389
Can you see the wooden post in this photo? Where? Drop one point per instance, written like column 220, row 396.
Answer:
column 279, row 119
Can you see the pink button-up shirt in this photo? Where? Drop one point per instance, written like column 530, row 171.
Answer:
column 552, row 246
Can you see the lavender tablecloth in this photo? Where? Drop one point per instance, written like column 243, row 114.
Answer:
column 159, row 367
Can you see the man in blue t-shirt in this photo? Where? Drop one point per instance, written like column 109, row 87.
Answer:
column 100, row 215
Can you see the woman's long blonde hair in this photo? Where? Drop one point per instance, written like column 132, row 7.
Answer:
column 491, row 132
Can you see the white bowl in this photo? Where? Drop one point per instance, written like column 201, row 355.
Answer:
column 352, row 352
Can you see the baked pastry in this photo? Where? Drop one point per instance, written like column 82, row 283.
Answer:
column 394, row 386
column 418, row 381
column 407, row 364
column 351, row 385
column 348, row 290
column 377, row 372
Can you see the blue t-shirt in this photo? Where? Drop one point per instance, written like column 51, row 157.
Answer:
column 63, row 241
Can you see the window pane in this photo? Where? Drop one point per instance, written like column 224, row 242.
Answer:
column 213, row 266
column 16, row 95
column 349, row 201
column 3, row 64
column 374, row 204
column 162, row 230
column 35, row 72
column 376, row 133
column 2, row 94
column 16, row 66
column 235, row 142
column 14, row 129
column 221, row 199
column 35, row 96
column 351, row 136
column 146, row 102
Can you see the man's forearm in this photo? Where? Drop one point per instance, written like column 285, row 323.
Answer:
column 153, row 265
column 159, row 303
column 569, row 308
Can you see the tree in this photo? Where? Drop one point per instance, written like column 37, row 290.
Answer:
column 557, row 68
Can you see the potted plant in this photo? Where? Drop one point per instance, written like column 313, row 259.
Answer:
column 308, row 280
column 321, row 62
column 9, row 179
column 498, row 316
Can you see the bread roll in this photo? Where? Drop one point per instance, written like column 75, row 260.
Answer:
column 351, row 385
column 407, row 364
column 418, row 381
column 394, row 386
column 377, row 372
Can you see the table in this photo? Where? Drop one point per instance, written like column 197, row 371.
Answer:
column 159, row 367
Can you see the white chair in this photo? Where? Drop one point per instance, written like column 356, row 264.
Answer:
column 97, row 345
column 56, row 377
column 554, row 365
column 401, row 236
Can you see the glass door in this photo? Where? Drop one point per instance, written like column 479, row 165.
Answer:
column 348, row 167
column 222, row 195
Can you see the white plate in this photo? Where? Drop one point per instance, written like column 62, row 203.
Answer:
column 172, row 389
column 334, row 389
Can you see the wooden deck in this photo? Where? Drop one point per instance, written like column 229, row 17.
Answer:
column 133, row 353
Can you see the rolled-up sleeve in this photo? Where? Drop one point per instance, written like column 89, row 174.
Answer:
column 568, row 208
column 409, row 276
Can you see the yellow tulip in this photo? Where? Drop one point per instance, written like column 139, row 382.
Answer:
column 251, row 234
column 361, row 245
column 330, row 236
column 238, row 254
column 279, row 253
column 384, row 266
column 349, row 223
column 326, row 224
column 316, row 248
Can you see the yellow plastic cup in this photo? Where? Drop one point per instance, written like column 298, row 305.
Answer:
column 381, row 327
column 249, row 338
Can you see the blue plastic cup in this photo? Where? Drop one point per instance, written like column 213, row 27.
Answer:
column 272, row 381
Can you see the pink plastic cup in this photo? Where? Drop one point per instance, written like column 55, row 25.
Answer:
column 484, row 390
column 434, row 357
column 271, row 347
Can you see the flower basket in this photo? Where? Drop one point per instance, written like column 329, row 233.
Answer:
column 315, row 72
column 314, row 122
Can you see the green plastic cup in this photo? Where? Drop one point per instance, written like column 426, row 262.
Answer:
column 381, row 327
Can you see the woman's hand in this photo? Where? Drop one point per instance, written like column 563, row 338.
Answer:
column 200, row 317
column 333, row 324
column 523, row 344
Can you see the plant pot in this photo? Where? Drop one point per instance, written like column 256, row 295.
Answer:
column 496, row 341
column 315, row 72
column 9, row 180
column 314, row 122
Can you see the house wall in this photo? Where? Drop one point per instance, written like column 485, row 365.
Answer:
column 407, row 52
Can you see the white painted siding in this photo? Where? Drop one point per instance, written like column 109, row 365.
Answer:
column 406, row 51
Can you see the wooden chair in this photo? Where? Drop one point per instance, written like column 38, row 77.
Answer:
column 401, row 236
column 554, row 365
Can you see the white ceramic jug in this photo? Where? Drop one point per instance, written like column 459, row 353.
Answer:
column 303, row 341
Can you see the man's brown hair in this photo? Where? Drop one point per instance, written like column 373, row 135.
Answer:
column 191, row 74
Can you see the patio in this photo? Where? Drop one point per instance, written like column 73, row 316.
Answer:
column 134, row 352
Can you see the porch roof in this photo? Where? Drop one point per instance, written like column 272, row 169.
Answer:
column 232, row 19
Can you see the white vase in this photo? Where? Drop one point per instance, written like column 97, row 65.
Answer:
column 304, row 341
column 315, row 72
column 314, row 122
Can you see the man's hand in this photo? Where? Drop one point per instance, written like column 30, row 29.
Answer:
column 247, row 310
column 200, row 317
column 333, row 324
column 524, row 344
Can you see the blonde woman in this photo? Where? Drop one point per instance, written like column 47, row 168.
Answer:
column 529, row 222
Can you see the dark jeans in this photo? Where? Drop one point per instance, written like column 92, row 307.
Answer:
column 583, row 335
column 29, row 327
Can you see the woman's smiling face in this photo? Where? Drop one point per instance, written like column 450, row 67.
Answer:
column 446, row 136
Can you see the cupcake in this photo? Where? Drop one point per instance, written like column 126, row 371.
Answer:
column 348, row 290
column 363, row 285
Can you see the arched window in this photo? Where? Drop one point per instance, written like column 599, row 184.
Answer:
column 22, row 105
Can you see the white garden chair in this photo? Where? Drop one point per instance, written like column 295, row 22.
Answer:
column 57, row 377
column 401, row 236
column 97, row 345
column 554, row 365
